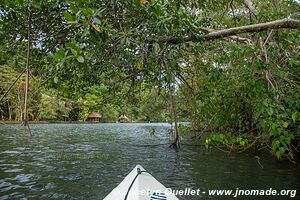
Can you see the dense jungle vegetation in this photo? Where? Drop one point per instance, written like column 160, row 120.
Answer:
column 232, row 66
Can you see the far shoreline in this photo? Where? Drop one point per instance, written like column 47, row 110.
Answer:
column 47, row 122
column 69, row 122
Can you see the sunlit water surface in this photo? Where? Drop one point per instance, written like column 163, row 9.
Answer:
column 86, row 161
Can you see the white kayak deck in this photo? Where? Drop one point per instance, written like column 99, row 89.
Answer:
column 140, row 185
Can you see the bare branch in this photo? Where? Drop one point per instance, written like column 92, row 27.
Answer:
column 12, row 85
column 249, row 5
column 254, row 28
column 184, row 80
column 267, row 40
column 241, row 40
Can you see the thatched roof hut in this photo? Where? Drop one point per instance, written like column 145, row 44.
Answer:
column 123, row 119
column 94, row 117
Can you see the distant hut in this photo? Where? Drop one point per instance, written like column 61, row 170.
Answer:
column 94, row 117
column 123, row 119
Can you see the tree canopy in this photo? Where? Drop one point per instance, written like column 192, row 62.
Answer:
column 233, row 65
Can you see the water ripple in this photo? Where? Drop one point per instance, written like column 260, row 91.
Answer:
column 71, row 161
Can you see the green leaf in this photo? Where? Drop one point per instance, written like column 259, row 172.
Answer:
column 73, row 41
column 20, row 2
column 282, row 150
column 285, row 124
column 74, row 9
column 270, row 111
column 80, row 59
column 275, row 144
column 291, row 155
column 156, row 48
column 278, row 154
column 68, row 16
column 74, row 52
column 59, row 55
column 55, row 80
column 294, row 116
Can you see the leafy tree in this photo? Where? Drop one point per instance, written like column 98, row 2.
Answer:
column 233, row 66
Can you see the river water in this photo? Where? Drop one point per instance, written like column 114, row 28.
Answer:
column 86, row 161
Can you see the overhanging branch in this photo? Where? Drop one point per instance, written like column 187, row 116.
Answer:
column 233, row 37
column 254, row 28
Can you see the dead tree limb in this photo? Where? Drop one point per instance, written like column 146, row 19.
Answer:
column 253, row 28
column 235, row 38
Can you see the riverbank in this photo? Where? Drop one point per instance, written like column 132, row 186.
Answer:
column 48, row 122
column 78, row 122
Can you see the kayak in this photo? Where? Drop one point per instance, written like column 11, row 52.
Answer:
column 140, row 185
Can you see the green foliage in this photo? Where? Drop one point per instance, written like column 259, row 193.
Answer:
column 241, row 98
column 11, row 107
column 227, row 139
column 110, row 113
column 281, row 123
column 184, row 129
column 152, row 107
column 74, row 114
column 225, row 101
column 100, row 56
column 48, row 111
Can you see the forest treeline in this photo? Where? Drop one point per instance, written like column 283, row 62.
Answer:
column 49, row 104
column 231, row 66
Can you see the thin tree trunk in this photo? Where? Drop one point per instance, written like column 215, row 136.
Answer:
column 19, row 115
column 175, row 143
column 9, row 111
column 25, row 114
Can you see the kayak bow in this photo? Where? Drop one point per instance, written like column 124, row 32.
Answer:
column 140, row 185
